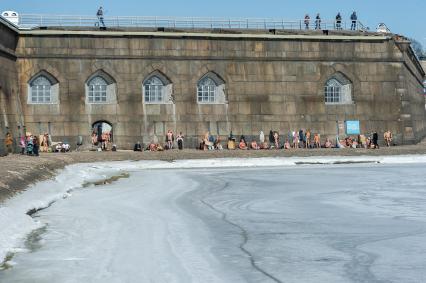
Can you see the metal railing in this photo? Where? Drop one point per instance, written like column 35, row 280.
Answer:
column 38, row 20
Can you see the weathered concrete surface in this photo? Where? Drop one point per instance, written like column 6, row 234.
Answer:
column 273, row 81
column 8, row 83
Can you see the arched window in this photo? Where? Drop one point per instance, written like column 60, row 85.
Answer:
column 211, row 89
column 157, row 89
column 206, row 90
column 43, row 88
column 100, row 88
column 97, row 90
column 154, row 90
column 40, row 90
column 333, row 91
column 338, row 90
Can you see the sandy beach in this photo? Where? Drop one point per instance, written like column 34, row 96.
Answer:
column 20, row 171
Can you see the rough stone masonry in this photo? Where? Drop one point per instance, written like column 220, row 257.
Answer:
column 207, row 80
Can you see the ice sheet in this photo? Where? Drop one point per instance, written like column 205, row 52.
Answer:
column 388, row 192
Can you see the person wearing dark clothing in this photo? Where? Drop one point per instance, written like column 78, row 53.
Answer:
column 318, row 22
column 307, row 21
column 36, row 146
column 354, row 19
column 137, row 147
column 338, row 21
column 301, row 138
column 179, row 140
column 100, row 15
column 375, row 140
column 271, row 137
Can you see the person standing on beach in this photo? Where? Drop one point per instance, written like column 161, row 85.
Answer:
column 170, row 139
column 179, row 140
column 8, row 142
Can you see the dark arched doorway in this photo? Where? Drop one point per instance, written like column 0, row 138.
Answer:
column 102, row 134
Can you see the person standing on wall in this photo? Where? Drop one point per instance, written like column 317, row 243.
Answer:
column 338, row 21
column 100, row 15
column 307, row 21
column 318, row 22
column 354, row 19
column 8, row 142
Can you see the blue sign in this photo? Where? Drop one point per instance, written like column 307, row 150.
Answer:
column 352, row 127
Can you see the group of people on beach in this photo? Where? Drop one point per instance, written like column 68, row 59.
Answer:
column 302, row 138
column 293, row 140
column 337, row 24
column 169, row 143
column 32, row 145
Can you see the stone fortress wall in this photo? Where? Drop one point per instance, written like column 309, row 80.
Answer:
column 272, row 80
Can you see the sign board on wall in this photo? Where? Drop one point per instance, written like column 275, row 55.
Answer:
column 352, row 127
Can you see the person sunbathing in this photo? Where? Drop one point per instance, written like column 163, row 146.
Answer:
column 242, row 144
column 254, row 145
column 328, row 143
column 287, row 145
column 152, row 147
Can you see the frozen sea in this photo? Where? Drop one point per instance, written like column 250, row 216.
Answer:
column 363, row 222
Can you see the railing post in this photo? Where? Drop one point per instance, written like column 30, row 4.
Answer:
column 247, row 23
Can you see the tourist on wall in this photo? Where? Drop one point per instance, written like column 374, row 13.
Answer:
column 137, row 147
column 100, row 15
column 354, row 19
column 8, row 142
column 338, row 21
column 307, row 21
column 318, row 22
column 179, row 140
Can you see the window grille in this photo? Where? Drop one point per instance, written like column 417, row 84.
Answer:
column 41, row 90
column 154, row 90
column 206, row 91
column 97, row 90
